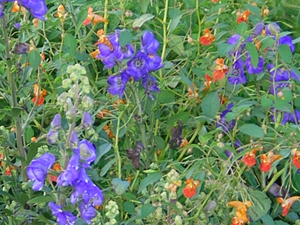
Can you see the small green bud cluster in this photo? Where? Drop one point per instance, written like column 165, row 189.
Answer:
column 112, row 211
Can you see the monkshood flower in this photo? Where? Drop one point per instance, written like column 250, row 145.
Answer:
column 150, row 85
column 87, row 152
column 291, row 117
column 87, row 120
column 118, row 83
column 70, row 175
column 74, row 140
column 258, row 28
column 56, row 122
column 149, row 44
column 226, row 125
column 1, row 9
column 287, row 40
column 124, row 52
column 62, row 217
column 237, row 145
column 254, row 70
column 87, row 212
column 52, row 137
column 137, row 66
column 273, row 29
column 237, row 75
column 38, row 169
column 154, row 63
column 37, row 8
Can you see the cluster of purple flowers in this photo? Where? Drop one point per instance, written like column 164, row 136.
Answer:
column 138, row 66
column 226, row 125
column 85, row 191
column 37, row 8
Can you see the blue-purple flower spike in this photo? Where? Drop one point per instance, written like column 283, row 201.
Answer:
column 87, row 120
column 62, row 217
column 56, row 122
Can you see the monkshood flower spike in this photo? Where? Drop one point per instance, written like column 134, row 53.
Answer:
column 38, row 169
column 37, row 8
column 62, row 217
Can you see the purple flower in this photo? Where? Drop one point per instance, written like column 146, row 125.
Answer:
column 124, row 52
column 56, row 122
column 74, row 140
column 226, row 125
column 88, row 212
column 258, row 28
column 137, row 66
column 154, row 63
column 237, row 75
column 62, row 217
column 149, row 43
column 1, row 9
column 234, row 39
column 87, row 120
column 272, row 29
column 70, row 175
column 292, row 117
column 87, row 151
column 251, row 69
column 118, row 83
column 52, row 137
column 17, row 25
column 287, row 40
column 237, row 145
column 38, row 169
column 150, row 85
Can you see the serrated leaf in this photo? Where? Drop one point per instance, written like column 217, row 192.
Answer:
column 137, row 23
column 150, row 179
column 253, row 53
column 285, row 53
column 119, row 186
column 34, row 59
column 210, row 105
column 125, row 37
column 252, row 130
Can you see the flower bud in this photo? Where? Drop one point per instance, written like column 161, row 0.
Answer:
column 74, row 76
column 72, row 92
column 86, row 89
column 71, row 113
column 66, row 83
column 178, row 220
column 62, row 98
column 74, row 140
column 87, row 102
column 128, row 13
column 84, row 80
column 273, row 28
column 87, row 120
column 56, row 122
column 52, row 137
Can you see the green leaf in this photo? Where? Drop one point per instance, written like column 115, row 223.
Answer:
column 33, row 151
column 266, row 102
column 267, row 219
column 34, row 59
column 260, row 204
column 166, row 96
column 253, row 53
column 252, row 130
column 210, row 105
column 147, row 209
column 279, row 222
column 283, row 103
column 144, row 5
column 125, row 37
column 137, row 23
column 266, row 42
column 174, row 22
column 183, row 116
column 285, row 53
column 297, row 40
column 129, row 207
column 150, row 179
column 175, row 43
column 41, row 199
column 107, row 167
column 241, row 28
column 102, row 150
column 70, row 44
column 130, row 196
column 15, row 111
column 119, row 186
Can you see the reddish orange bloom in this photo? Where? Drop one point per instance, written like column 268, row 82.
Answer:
column 241, row 211
column 38, row 98
column 214, row 0
column 222, row 99
column 208, row 81
column 61, row 13
column 267, row 160
column 16, row 8
column 95, row 53
column 287, row 204
column 94, row 17
column 220, row 69
column 207, row 38
column 35, row 22
column 108, row 131
column 244, row 16
column 184, row 142
column 191, row 188
column 103, row 113
column 104, row 40
column 296, row 159
column 58, row 168
column 192, row 93
column 249, row 159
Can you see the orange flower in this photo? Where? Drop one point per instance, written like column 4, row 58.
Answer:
column 35, row 22
column 241, row 211
column 94, row 17
column 207, row 38
column 249, row 159
column 244, row 16
column 208, row 81
column 58, row 168
column 191, row 188
column 95, row 53
column 287, row 204
column 296, row 159
column 184, row 142
column 16, row 8
column 267, row 160
column 222, row 99
column 61, row 13
column 192, row 93
column 103, row 113
column 108, row 131
column 104, row 40
column 38, row 98
column 220, row 70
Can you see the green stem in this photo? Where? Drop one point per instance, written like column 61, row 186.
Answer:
column 275, row 177
column 14, row 102
column 105, row 15
column 199, row 24
column 164, row 22
column 116, row 147
column 135, row 178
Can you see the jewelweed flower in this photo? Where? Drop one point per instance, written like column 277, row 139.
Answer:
column 37, row 170
column 296, row 159
column 62, row 217
column 220, row 70
column 118, row 83
column 255, row 70
column 94, row 17
column 241, row 211
column 237, row 75
column 61, row 13
column 243, row 17
column 191, row 188
column 87, row 120
column 149, row 44
column 16, row 8
column 287, row 204
column 56, row 122
column 70, row 175
column 226, row 125
column 192, row 92
column 249, row 159
column 208, row 81
column 38, row 98
column 56, row 167
column 207, row 38
column 267, row 160
column 137, row 66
